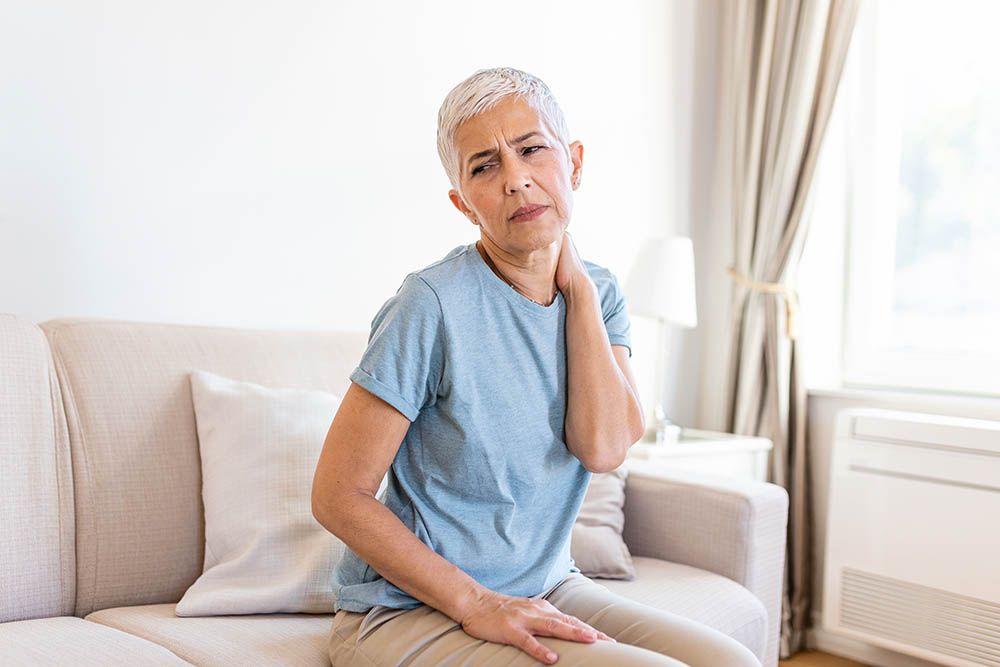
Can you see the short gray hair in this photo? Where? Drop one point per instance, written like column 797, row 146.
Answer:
column 481, row 92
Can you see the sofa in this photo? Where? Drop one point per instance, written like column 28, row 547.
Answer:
column 102, row 514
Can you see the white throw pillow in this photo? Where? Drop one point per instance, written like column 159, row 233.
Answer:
column 264, row 551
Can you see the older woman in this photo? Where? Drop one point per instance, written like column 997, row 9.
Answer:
column 495, row 382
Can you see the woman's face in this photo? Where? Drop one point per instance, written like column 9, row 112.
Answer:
column 508, row 158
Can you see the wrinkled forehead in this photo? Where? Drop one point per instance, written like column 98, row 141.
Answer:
column 510, row 119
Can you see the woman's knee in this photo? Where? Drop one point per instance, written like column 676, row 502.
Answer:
column 600, row 653
column 724, row 650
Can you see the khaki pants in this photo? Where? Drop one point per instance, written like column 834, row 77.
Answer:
column 646, row 636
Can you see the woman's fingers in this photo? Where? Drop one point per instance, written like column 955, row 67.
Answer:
column 561, row 626
column 554, row 626
column 573, row 620
column 536, row 649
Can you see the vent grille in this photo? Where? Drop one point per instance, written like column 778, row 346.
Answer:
column 930, row 618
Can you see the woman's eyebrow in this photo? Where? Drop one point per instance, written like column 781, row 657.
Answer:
column 493, row 151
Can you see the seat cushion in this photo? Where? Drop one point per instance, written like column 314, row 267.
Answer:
column 706, row 597
column 301, row 639
column 253, row 639
column 68, row 641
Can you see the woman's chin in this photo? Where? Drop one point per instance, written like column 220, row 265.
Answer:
column 540, row 227
column 541, row 238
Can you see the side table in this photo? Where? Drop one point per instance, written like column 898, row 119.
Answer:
column 705, row 451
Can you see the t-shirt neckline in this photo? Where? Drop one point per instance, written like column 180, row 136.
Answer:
column 502, row 289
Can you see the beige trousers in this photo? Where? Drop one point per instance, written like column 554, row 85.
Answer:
column 426, row 637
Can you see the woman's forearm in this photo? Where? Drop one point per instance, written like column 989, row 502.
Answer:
column 602, row 411
column 377, row 535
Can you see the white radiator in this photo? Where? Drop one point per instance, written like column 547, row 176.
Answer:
column 913, row 535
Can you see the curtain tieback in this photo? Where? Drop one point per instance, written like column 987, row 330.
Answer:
column 791, row 298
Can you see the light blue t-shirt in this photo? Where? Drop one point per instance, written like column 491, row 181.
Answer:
column 483, row 475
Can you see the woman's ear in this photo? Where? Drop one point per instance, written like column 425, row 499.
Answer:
column 576, row 157
column 459, row 203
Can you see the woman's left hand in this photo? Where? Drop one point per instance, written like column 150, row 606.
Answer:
column 570, row 271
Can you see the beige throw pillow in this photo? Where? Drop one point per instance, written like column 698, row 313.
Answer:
column 597, row 545
column 264, row 551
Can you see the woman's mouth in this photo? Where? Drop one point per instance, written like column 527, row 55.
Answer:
column 530, row 214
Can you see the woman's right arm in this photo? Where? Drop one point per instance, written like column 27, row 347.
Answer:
column 360, row 446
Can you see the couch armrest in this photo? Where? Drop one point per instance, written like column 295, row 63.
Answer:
column 726, row 525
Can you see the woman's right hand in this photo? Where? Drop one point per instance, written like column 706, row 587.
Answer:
column 506, row 619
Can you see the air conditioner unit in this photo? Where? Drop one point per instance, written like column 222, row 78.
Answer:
column 913, row 535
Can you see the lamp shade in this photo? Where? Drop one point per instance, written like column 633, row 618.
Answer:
column 661, row 282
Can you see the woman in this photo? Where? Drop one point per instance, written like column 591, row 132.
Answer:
column 495, row 382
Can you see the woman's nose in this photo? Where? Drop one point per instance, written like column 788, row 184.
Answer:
column 516, row 177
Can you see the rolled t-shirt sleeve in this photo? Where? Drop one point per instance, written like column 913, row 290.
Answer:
column 404, row 359
column 615, row 312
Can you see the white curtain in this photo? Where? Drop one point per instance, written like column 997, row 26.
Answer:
column 781, row 66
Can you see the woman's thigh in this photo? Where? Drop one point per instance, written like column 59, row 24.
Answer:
column 641, row 625
column 425, row 637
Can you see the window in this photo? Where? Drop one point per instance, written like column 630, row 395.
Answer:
column 921, row 151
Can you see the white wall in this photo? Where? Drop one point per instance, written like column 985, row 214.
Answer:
column 274, row 164
column 705, row 348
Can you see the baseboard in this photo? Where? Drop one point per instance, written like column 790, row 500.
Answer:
column 846, row 647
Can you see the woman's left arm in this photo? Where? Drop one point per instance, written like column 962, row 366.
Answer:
column 603, row 412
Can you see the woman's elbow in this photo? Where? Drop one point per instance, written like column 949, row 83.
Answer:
column 611, row 459
column 324, row 506
column 613, row 456
column 320, row 507
column 607, row 465
column 638, row 430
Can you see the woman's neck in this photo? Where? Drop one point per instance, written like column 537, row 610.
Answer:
column 538, row 284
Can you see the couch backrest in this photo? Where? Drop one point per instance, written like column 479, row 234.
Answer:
column 136, row 466
column 37, row 567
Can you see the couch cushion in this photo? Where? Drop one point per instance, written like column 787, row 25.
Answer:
column 139, row 516
column 596, row 542
column 67, row 641
column 703, row 596
column 276, row 639
column 254, row 639
column 37, row 561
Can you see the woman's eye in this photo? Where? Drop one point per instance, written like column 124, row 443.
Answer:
column 527, row 151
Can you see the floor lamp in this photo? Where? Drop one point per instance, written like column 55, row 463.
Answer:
column 661, row 286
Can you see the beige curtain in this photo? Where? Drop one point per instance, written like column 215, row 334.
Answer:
column 781, row 69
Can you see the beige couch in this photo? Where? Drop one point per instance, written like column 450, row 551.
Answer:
column 102, row 522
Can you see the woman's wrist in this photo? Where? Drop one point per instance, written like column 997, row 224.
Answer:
column 471, row 598
column 581, row 287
